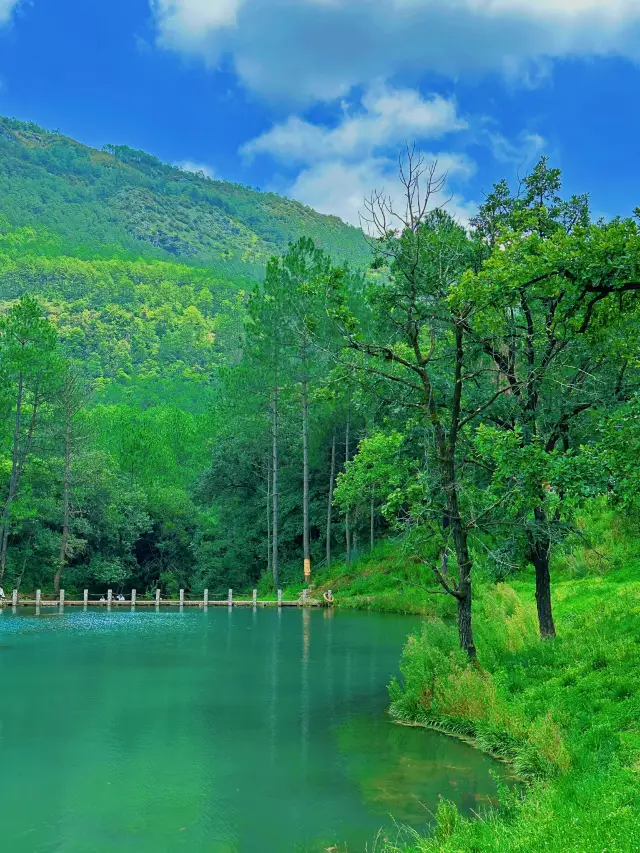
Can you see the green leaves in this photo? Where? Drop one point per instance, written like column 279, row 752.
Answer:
column 378, row 467
column 28, row 343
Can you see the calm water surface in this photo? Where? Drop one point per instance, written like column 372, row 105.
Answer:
column 227, row 731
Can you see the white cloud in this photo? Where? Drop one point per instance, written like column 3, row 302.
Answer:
column 339, row 166
column 6, row 9
column 340, row 188
column 190, row 166
column 388, row 117
column 321, row 49
column 523, row 151
column 615, row 10
column 186, row 24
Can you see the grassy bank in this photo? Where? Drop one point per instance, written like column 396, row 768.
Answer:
column 386, row 580
column 565, row 712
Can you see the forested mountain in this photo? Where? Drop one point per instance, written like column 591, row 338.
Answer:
column 125, row 202
column 124, row 289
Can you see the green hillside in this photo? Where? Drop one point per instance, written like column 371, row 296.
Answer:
column 124, row 285
column 126, row 201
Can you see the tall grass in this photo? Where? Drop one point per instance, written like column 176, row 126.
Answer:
column 566, row 712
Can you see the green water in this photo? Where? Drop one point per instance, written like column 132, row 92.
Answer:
column 227, row 731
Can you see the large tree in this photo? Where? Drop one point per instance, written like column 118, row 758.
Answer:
column 408, row 333
column 29, row 364
column 552, row 315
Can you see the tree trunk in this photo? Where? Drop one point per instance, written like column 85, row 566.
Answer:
column 465, row 630
column 65, row 498
column 274, row 531
column 463, row 558
column 269, row 516
column 330, row 501
column 305, row 478
column 543, row 591
column 446, row 446
column 539, row 555
column 447, row 452
column 347, row 526
column 372, row 521
column 13, row 481
column 24, row 563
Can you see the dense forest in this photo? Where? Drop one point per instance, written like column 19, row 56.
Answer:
column 466, row 390
column 123, row 203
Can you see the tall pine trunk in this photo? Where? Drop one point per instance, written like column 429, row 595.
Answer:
column 13, row 481
column 305, row 477
column 347, row 518
column 269, row 515
column 65, row 497
column 275, row 496
column 332, row 476
column 372, row 522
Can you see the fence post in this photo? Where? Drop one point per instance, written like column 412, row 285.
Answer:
column 86, row 597
column 255, row 597
column 38, row 597
column 14, row 597
column 206, row 598
column 279, row 598
column 61, row 598
column 133, row 597
column 230, row 598
column 181, row 598
column 157, row 597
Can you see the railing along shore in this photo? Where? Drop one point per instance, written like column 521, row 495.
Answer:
column 158, row 601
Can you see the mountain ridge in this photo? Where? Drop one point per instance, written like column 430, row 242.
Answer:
column 124, row 201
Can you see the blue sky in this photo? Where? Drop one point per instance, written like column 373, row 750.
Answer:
column 314, row 98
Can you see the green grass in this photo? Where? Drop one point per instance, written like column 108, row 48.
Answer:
column 386, row 580
column 565, row 712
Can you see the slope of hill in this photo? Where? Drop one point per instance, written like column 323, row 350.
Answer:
column 119, row 200
column 140, row 273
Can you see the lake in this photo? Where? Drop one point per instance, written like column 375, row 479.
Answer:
column 225, row 731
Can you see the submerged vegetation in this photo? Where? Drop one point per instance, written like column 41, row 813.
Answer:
column 446, row 422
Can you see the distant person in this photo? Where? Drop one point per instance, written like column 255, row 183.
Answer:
column 102, row 598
